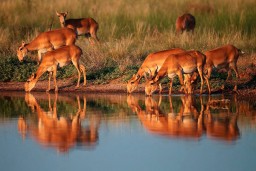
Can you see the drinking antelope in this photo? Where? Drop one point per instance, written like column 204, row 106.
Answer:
column 177, row 64
column 222, row 57
column 51, row 60
column 151, row 63
column 82, row 26
column 47, row 41
column 186, row 22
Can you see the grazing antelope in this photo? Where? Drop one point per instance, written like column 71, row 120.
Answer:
column 186, row 63
column 82, row 26
column 186, row 22
column 51, row 60
column 151, row 63
column 222, row 57
column 47, row 41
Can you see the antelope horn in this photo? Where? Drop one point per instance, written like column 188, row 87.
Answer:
column 145, row 75
column 156, row 71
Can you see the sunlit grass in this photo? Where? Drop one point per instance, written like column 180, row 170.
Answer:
column 130, row 30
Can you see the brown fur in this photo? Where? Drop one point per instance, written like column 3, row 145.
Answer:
column 177, row 64
column 186, row 22
column 150, row 64
column 82, row 26
column 47, row 41
column 51, row 60
column 222, row 57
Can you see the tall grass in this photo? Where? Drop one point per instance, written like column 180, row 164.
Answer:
column 130, row 30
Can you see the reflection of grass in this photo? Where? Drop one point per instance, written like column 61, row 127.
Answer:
column 130, row 30
column 12, row 107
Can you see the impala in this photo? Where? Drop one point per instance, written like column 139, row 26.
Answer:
column 82, row 26
column 177, row 64
column 47, row 41
column 57, row 58
column 222, row 57
column 151, row 63
column 185, row 22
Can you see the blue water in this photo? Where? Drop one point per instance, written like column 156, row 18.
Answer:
column 116, row 138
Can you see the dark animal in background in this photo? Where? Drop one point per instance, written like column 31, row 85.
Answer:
column 186, row 22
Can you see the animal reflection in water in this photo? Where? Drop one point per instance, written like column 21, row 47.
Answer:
column 219, row 122
column 56, row 131
column 191, row 121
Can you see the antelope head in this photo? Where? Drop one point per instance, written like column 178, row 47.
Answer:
column 133, row 83
column 22, row 51
column 150, row 87
column 62, row 16
column 30, row 84
column 151, row 82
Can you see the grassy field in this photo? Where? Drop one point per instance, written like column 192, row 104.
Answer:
column 128, row 31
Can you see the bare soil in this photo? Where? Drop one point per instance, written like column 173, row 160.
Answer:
column 246, row 84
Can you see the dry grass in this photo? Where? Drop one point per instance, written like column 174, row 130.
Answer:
column 130, row 30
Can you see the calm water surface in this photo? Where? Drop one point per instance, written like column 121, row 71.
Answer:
column 42, row 131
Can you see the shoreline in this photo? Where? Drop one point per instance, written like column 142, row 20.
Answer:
column 69, row 87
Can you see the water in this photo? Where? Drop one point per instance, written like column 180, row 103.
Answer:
column 42, row 131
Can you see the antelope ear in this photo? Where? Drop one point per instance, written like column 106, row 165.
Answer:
column 65, row 14
column 145, row 75
column 157, row 78
column 156, row 71
column 58, row 14
column 23, row 43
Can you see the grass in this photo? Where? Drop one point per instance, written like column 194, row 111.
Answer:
column 128, row 31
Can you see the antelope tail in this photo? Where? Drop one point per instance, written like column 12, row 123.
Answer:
column 241, row 52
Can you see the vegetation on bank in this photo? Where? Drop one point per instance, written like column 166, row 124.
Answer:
column 128, row 32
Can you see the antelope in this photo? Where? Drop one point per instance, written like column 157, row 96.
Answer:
column 47, row 41
column 176, row 64
column 52, row 59
column 222, row 57
column 186, row 22
column 150, row 63
column 82, row 26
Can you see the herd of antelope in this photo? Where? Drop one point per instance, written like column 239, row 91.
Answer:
column 59, row 49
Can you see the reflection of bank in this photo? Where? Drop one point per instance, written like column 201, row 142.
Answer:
column 191, row 120
column 62, row 133
column 219, row 122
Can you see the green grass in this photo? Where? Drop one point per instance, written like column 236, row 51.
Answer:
column 128, row 31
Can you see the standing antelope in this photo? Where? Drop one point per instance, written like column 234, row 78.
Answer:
column 51, row 60
column 222, row 57
column 47, row 41
column 82, row 26
column 151, row 63
column 186, row 22
column 176, row 64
